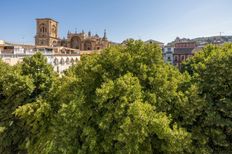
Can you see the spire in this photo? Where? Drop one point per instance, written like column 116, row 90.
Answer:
column 89, row 33
column 83, row 31
column 104, row 37
column 75, row 30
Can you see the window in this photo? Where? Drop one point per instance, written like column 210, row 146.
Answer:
column 54, row 29
column 67, row 61
column 72, row 60
column 56, row 61
column 182, row 57
column 76, row 42
column 62, row 61
column 88, row 45
column 176, row 58
column 43, row 28
column 54, row 43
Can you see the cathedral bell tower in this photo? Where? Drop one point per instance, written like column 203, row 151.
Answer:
column 46, row 32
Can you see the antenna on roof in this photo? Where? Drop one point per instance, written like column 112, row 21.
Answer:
column 220, row 33
column 23, row 40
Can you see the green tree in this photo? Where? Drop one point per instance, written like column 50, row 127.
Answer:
column 4, row 68
column 124, row 100
column 37, row 68
column 211, row 71
column 26, row 104
column 14, row 91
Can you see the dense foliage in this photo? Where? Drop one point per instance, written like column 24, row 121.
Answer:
column 125, row 100
column 211, row 71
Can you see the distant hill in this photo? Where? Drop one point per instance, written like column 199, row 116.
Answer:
column 213, row 39
column 204, row 40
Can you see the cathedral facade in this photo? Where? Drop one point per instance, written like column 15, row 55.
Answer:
column 47, row 35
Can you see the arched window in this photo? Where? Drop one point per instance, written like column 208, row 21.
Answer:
column 54, row 29
column 182, row 57
column 54, row 43
column 76, row 42
column 72, row 60
column 176, row 58
column 62, row 61
column 67, row 60
column 56, row 61
column 87, row 45
column 43, row 28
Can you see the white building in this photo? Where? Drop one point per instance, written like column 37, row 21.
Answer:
column 168, row 54
column 61, row 58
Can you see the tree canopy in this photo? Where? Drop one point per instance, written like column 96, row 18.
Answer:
column 21, row 112
column 124, row 100
column 211, row 71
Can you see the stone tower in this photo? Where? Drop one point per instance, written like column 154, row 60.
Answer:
column 46, row 32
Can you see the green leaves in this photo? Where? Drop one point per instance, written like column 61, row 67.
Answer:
column 123, row 103
column 15, row 90
column 14, row 85
column 36, row 67
column 211, row 71
column 124, row 100
column 26, row 111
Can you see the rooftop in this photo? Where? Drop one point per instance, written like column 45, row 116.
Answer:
column 47, row 19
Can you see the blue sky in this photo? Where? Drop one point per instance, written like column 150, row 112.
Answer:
column 162, row 20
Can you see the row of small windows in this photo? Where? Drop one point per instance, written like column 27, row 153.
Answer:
column 43, row 29
column 181, row 58
column 184, row 45
column 64, row 61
